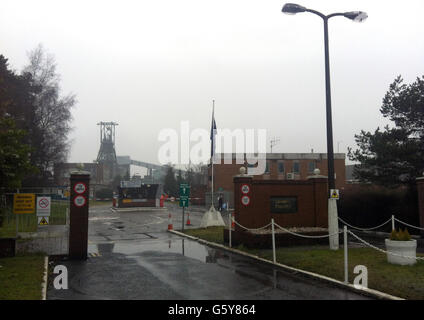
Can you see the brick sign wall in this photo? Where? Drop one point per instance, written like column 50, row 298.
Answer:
column 291, row 203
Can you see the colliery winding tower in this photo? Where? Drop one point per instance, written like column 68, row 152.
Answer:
column 107, row 153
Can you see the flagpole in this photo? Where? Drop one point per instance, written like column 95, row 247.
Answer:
column 212, row 153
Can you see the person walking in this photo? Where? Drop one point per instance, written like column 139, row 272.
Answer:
column 220, row 202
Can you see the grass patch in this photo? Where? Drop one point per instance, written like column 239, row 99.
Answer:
column 94, row 203
column 21, row 277
column 402, row 281
column 212, row 234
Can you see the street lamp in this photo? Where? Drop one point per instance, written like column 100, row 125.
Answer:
column 357, row 16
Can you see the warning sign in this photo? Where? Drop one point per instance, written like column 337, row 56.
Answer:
column 23, row 203
column 334, row 193
column 43, row 221
column 43, row 206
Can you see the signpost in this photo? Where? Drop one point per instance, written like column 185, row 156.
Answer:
column 184, row 197
column 43, row 210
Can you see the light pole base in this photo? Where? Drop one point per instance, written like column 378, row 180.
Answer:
column 333, row 224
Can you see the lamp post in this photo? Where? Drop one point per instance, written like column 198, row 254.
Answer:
column 358, row 16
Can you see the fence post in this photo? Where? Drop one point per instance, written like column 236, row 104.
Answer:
column 273, row 241
column 230, row 222
column 393, row 222
column 346, row 274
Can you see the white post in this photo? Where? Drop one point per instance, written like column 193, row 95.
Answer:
column 273, row 241
column 346, row 274
column 393, row 222
column 230, row 220
column 333, row 224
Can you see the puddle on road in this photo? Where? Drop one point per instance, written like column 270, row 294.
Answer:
column 187, row 248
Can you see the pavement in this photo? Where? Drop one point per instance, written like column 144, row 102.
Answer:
column 132, row 256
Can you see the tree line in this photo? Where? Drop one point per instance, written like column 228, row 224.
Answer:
column 35, row 120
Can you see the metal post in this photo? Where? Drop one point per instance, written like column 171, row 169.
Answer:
column 17, row 219
column 273, row 241
column 183, row 220
column 330, row 152
column 393, row 222
column 346, row 274
column 230, row 221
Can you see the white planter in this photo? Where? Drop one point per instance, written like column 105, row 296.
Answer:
column 405, row 248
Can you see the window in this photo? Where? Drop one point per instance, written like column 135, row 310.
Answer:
column 295, row 167
column 267, row 167
column 281, row 167
column 311, row 166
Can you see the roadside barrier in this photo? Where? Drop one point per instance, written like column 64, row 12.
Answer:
column 188, row 223
column 345, row 232
column 366, row 229
column 170, row 226
column 392, row 219
column 409, row 225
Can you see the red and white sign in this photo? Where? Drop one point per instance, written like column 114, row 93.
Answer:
column 245, row 200
column 80, row 201
column 80, row 187
column 245, row 188
column 43, row 206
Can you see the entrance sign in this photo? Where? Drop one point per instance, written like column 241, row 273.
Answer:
column 43, row 221
column 245, row 200
column 23, row 203
column 43, row 206
column 283, row 204
column 334, row 193
column 80, row 187
column 80, row 201
column 245, row 188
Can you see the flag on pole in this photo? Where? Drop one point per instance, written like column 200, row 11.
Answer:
column 213, row 131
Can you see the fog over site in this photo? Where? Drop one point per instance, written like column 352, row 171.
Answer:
column 149, row 65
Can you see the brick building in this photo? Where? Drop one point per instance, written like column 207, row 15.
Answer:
column 280, row 166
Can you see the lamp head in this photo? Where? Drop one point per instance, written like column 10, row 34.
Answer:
column 292, row 8
column 357, row 16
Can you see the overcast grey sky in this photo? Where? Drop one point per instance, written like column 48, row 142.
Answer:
column 149, row 64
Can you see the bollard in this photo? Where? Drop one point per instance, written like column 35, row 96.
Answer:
column 273, row 241
column 346, row 274
column 393, row 222
column 230, row 220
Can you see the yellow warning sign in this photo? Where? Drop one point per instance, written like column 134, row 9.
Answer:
column 43, row 221
column 334, row 194
column 23, row 203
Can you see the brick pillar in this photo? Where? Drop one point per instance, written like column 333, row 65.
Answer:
column 239, row 181
column 320, row 189
column 78, row 228
column 420, row 189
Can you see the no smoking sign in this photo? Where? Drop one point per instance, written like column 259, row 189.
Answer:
column 43, row 206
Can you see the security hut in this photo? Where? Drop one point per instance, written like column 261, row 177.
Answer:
column 136, row 194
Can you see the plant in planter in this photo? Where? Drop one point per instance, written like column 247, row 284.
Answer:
column 401, row 244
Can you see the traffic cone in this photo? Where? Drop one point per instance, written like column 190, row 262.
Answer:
column 170, row 226
column 188, row 220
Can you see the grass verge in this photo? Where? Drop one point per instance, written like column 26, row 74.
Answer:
column 402, row 281
column 21, row 277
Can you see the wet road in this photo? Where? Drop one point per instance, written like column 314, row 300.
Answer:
column 131, row 256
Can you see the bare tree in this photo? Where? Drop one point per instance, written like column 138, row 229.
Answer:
column 51, row 116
